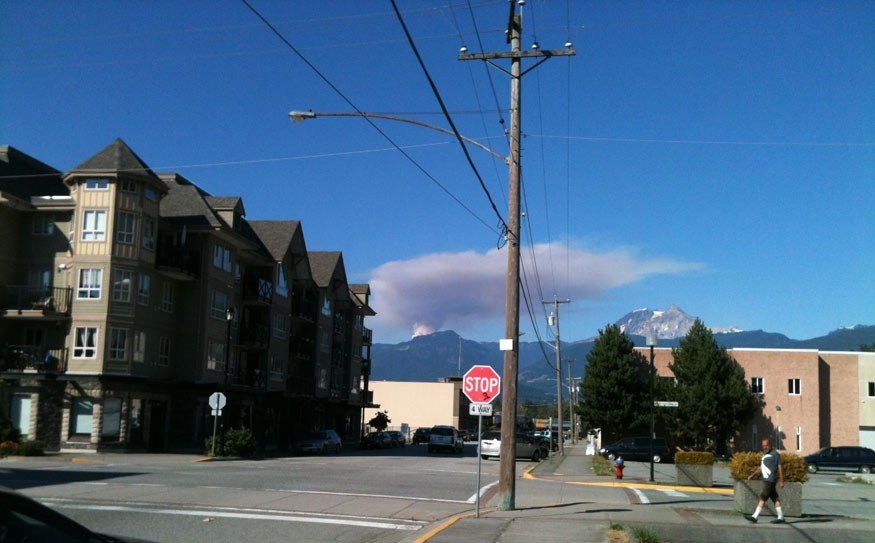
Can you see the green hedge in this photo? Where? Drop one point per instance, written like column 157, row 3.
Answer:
column 742, row 465
column 238, row 442
column 697, row 458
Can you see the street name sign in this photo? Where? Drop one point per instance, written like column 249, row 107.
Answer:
column 665, row 404
column 480, row 409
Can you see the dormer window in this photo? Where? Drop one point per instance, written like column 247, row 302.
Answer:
column 97, row 184
column 151, row 194
column 129, row 186
column 282, row 285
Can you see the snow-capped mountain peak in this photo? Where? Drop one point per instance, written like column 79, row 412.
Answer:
column 671, row 323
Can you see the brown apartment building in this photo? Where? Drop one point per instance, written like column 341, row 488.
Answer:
column 127, row 298
column 809, row 399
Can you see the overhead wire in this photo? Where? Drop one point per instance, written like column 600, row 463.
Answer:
column 369, row 121
column 485, row 67
column 449, row 118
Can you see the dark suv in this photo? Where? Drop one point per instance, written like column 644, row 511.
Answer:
column 638, row 448
column 860, row 459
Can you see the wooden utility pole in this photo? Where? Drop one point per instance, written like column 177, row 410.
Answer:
column 561, row 431
column 507, row 452
column 507, row 469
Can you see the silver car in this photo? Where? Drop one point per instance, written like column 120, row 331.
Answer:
column 526, row 446
column 445, row 438
column 319, row 442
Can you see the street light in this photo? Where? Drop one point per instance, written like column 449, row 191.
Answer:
column 652, row 340
column 299, row 116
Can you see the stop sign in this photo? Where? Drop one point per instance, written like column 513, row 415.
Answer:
column 481, row 384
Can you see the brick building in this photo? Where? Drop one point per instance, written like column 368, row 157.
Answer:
column 129, row 297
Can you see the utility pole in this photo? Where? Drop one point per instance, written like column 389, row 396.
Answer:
column 507, row 452
column 555, row 315
column 571, row 403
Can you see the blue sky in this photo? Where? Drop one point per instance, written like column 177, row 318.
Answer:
column 715, row 155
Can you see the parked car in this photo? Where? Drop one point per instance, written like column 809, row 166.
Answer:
column 550, row 437
column 421, row 435
column 397, row 438
column 638, row 448
column 25, row 519
column 377, row 440
column 445, row 438
column 527, row 446
column 319, row 442
column 848, row 458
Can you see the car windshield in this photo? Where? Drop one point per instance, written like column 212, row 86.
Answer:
column 492, row 435
column 442, row 431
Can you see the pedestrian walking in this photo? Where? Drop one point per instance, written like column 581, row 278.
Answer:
column 773, row 475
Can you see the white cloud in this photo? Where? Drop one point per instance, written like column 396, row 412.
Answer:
column 464, row 289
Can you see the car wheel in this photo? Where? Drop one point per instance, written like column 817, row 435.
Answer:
column 657, row 459
column 612, row 457
column 536, row 456
column 812, row 468
column 484, row 457
column 865, row 469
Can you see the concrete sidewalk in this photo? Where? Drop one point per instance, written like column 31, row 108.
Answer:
column 556, row 501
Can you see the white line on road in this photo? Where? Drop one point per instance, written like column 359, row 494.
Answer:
column 248, row 516
column 641, row 497
column 354, row 495
column 473, row 499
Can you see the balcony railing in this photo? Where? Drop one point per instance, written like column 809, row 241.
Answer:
column 22, row 358
column 367, row 336
column 258, row 290
column 256, row 335
column 179, row 259
column 48, row 300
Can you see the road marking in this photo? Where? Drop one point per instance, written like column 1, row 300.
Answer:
column 473, row 499
column 279, row 516
column 673, row 493
column 641, row 497
column 354, row 495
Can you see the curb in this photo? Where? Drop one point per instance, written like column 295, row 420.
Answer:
column 424, row 538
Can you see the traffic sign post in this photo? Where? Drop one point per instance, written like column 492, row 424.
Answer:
column 481, row 384
column 217, row 402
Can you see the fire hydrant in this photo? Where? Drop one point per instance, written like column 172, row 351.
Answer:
column 619, row 465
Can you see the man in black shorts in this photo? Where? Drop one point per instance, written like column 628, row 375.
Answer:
column 773, row 474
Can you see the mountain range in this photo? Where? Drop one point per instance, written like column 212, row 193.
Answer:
column 443, row 354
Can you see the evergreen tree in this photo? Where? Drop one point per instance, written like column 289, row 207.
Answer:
column 614, row 391
column 712, row 393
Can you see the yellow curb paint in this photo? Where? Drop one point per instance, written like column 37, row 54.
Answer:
column 700, row 490
column 441, row 527
column 85, row 461
column 205, row 459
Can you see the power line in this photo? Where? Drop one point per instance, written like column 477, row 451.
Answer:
column 369, row 121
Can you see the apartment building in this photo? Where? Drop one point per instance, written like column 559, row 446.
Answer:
column 129, row 297
column 808, row 399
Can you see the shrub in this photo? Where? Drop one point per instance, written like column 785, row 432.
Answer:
column 8, row 448
column 744, row 464
column 31, row 447
column 698, row 458
column 238, row 442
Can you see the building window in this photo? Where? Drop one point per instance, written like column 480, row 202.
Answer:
column 164, row 351
column 149, row 233
column 872, row 389
column 139, row 349
column 218, row 305
column 85, row 345
column 222, row 257
column 216, row 356
column 81, row 416
column 121, row 285
column 757, row 385
column 280, row 325
column 118, row 343
column 282, row 285
column 168, row 293
column 276, row 364
column 798, row 438
column 96, row 184
column 124, row 230
column 111, row 418
column 129, row 186
column 20, row 414
column 145, row 289
column 238, row 273
column 39, row 278
column 89, row 283
column 151, row 194
column 43, row 224
column 794, row 387
column 94, row 225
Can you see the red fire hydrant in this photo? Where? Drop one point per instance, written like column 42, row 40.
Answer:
column 619, row 465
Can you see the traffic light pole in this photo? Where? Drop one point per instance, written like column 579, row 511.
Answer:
column 507, row 452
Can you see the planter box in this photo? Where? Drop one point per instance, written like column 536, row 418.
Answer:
column 695, row 474
column 747, row 495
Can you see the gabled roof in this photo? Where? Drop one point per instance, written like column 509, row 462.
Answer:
column 115, row 157
column 276, row 236
column 226, row 203
column 325, row 266
column 359, row 297
column 186, row 202
column 24, row 176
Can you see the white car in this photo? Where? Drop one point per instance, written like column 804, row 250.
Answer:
column 445, row 438
column 526, row 446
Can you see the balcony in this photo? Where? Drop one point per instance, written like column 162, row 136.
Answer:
column 367, row 336
column 31, row 359
column 19, row 301
column 256, row 336
column 178, row 262
column 301, row 385
column 258, row 291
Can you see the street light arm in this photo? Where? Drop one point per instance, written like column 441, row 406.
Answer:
column 299, row 116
